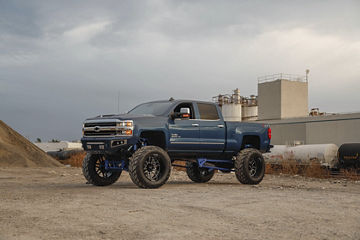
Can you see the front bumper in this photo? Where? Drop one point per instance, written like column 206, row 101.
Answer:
column 95, row 144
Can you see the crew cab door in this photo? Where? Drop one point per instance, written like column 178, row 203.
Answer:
column 212, row 128
column 184, row 132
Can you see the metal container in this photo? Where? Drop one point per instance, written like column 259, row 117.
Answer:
column 325, row 154
column 349, row 155
column 249, row 113
column 231, row 112
column 236, row 98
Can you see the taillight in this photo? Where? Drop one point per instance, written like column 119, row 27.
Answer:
column 269, row 133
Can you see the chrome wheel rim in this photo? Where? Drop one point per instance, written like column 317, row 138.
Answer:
column 152, row 167
column 204, row 171
column 254, row 166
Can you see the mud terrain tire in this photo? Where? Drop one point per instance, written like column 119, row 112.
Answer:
column 249, row 166
column 150, row 167
column 198, row 175
column 94, row 171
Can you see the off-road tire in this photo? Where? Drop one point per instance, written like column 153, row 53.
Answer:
column 92, row 176
column 139, row 161
column 245, row 173
column 198, row 175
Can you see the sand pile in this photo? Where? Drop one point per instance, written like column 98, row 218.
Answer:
column 17, row 151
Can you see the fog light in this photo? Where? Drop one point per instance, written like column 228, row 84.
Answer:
column 118, row 143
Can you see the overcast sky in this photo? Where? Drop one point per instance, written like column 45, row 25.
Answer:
column 64, row 61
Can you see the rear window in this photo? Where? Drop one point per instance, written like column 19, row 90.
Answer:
column 208, row 111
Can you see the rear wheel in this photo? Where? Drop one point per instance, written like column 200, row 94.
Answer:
column 249, row 166
column 150, row 167
column 199, row 175
column 94, row 170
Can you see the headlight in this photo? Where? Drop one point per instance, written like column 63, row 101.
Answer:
column 128, row 123
column 125, row 128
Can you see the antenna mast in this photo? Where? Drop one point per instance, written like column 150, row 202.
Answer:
column 118, row 102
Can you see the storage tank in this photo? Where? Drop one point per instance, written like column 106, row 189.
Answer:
column 349, row 155
column 236, row 98
column 249, row 113
column 325, row 154
column 231, row 112
column 249, row 109
column 231, row 108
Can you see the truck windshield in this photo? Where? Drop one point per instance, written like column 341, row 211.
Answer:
column 153, row 108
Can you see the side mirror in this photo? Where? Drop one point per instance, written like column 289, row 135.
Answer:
column 185, row 112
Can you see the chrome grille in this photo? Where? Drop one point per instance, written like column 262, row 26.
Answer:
column 100, row 124
column 94, row 128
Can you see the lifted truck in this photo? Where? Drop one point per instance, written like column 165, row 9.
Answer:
column 148, row 139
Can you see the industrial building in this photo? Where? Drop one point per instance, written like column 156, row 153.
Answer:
column 282, row 96
column 282, row 102
column 238, row 108
column 337, row 129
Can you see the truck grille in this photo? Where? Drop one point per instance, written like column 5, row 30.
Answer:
column 108, row 128
column 99, row 129
column 103, row 124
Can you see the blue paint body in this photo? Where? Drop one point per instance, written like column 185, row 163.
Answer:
column 194, row 138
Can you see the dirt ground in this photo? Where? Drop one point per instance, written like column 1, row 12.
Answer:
column 46, row 203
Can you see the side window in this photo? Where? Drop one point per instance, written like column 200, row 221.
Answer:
column 208, row 111
column 186, row 105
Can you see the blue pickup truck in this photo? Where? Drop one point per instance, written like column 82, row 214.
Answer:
column 151, row 137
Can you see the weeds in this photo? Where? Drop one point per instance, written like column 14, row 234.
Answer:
column 75, row 159
column 313, row 170
column 291, row 167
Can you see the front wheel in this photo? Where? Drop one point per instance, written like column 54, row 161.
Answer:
column 94, row 170
column 150, row 167
column 249, row 166
column 199, row 175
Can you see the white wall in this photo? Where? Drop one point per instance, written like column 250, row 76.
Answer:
column 57, row 146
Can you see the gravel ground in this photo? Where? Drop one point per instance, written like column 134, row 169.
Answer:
column 45, row 203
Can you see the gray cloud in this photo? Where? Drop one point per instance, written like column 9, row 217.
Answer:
column 63, row 61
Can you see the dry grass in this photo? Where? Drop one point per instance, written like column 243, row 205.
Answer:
column 181, row 163
column 314, row 170
column 75, row 160
column 291, row 167
column 352, row 174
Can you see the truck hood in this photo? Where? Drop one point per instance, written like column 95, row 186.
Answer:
column 121, row 116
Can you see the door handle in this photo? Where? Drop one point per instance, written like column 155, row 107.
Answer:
column 195, row 124
column 221, row 126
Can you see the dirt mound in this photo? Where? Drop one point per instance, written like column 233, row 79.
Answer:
column 17, row 151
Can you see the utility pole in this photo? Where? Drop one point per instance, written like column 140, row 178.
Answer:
column 118, row 102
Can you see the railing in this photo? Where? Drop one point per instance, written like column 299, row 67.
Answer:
column 282, row 76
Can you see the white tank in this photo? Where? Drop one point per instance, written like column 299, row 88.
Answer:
column 249, row 113
column 325, row 154
column 231, row 112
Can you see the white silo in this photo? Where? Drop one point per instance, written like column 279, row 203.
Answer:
column 250, row 109
column 231, row 108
